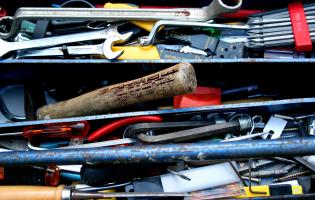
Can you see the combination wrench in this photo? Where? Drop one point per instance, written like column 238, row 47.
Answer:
column 103, row 50
column 110, row 33
column 215, row 8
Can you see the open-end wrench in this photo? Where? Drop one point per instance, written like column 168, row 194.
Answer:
column 100, row 14
column 104, row 50
column 110, row 33
column 148, row 40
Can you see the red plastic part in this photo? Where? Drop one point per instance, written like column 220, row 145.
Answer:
column 2, row 173
column 203, row 96
column 69, row 130
column 300, row 28
column 241, row 14
column 108, row 128
column 3, row 12
column 52, row 175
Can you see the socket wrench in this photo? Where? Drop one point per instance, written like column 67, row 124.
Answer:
column 206, row 13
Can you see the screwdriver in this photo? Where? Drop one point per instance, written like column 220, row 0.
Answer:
column 63, row 193
column 69, row 130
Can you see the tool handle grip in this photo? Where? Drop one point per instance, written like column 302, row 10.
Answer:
column 30, row 193
column 69, row 130
column 108, row 128
column 175, row 80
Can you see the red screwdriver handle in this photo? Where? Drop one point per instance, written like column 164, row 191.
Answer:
column 108, row 128
column 69, row 130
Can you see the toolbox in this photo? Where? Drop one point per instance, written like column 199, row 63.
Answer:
column 275, row 85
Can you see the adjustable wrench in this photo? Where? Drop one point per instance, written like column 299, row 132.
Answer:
column 103, row 50
column 99, row 14
column 110, row 33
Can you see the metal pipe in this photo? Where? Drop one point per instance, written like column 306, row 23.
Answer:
column 164, row 153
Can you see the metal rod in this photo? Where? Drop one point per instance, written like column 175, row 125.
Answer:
column 277, row 29
column 85, row 195
column 163, row 153
column 276, row 20
column 278, row 33
column 273, row 25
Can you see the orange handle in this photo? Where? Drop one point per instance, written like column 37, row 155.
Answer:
column 30, row 193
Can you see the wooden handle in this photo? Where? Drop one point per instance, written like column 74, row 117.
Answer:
column 175, row 80
column 30, row 193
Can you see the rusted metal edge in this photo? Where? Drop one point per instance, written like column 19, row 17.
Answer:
column 101, row 61
column 271, row 106
column 163, row 153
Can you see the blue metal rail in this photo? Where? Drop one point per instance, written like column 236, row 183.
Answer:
column 164, row 153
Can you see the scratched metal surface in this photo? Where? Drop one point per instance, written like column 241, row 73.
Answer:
column 163, row 153
column 99, row 61
column 289, row 106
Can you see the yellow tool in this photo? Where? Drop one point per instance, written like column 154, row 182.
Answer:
column 146, row 25
column 269, row 190
column 135, row 52
column 138, row 52
column 31, row 193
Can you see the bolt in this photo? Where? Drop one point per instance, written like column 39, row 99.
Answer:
column 291, row 176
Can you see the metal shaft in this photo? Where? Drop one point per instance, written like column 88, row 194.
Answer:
column 274, row 28
column 190, row 134
column 85, row 195
column 11, row 134
column 276, row 20
column 274, row 34
column 164, row 153
column 58, row 51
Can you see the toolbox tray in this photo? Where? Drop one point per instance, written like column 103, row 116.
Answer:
column 296, row 96
column 302, row 106
column 11, row 6
column 293, row 78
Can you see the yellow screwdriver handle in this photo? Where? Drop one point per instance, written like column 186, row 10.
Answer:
column 146, row 25
column 31, row 193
